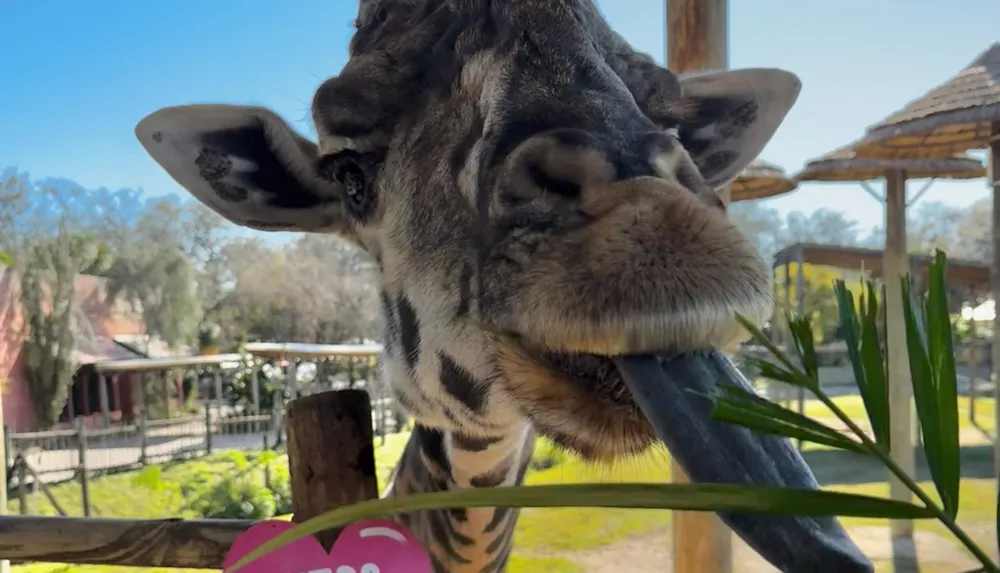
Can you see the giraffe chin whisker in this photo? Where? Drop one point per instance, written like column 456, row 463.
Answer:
column 674, row 393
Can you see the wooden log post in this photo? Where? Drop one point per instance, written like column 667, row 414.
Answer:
column 217, row 382
column 22, row 487
column 993, row 176
column 165, row 390
column 255, row 391
column 697, row 40
column 208, row 429
column 331, row 463
column 894, row 266
column 800, row 309
column 143, row 437
column 102, row 392
column 324, row 477
column 83, row 474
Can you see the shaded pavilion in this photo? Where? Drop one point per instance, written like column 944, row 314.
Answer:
column 959, row 115
column 845, row 164
column 760, row 180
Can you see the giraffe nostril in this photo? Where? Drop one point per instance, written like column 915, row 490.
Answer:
column 559, row 164
column 553, row 184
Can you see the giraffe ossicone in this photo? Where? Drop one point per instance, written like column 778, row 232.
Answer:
column 540, row 200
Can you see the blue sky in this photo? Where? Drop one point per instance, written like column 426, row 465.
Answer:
column 77, row 76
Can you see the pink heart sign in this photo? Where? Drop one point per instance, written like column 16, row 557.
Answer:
column 376, row 546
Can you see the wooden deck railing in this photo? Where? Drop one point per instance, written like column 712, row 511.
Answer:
column 331, row 463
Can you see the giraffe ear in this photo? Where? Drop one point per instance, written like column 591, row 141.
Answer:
column 247, row 164
column 726, row 118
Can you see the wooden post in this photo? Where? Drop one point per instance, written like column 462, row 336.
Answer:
column 208, row 429
column 993, row 175
column 81, row 469
column 22, row 487
column 291, row 379
column 697, row 40
column 217, row 379
column 255, row 391
column 323, row 476
column 102, row 391
column 143, row 438
column 140, row 387
column 786, row 389
column 165, row 392
column 800, row 296
column 277, row 409
column 702, row 542
column 895, row 264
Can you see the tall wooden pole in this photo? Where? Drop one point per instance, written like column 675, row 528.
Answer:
column 697, row 40
column 993, row 174
column 895, row 264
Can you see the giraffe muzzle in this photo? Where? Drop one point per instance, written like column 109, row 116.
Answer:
column 674, row 394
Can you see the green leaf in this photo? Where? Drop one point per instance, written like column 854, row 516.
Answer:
column 764, row 341
column 805, row 346
column 772, row 371
column 924, row 391
column 941, row 361
column 689, row 497
column 749, row 410
column 850, row 327
column 874, row 364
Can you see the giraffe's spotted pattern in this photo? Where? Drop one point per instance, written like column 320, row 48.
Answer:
column 537, row 196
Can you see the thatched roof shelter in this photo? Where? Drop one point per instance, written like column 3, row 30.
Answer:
column 969, row 274
column 956, row 116
column 845, row 165
column 760, row 180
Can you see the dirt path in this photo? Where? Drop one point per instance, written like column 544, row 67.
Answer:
column 651, row 552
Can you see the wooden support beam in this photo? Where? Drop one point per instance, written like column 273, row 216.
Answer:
column 800, row 309
column 331, row 462
column 217, row 382
column 702, row 542
column 697, row 40
column 895, row 265
column 102, row 390
column 993, row 175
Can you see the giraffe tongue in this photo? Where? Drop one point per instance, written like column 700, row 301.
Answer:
column 672, row 393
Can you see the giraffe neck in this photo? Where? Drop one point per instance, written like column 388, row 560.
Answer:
column 472, row 540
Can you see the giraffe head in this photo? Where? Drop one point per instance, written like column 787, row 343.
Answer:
column 530, row 187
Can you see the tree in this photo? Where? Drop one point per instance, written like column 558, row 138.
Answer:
column 315, row 289
column 822, row 226
column 151, row 268
column 760, row 225
column 47, row 269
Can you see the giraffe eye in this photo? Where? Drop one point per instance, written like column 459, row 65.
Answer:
column 354, row 172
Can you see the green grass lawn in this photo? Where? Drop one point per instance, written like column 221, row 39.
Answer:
column 854, row 407
column 542, row 536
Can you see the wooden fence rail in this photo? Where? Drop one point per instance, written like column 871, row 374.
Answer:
column 331, row 463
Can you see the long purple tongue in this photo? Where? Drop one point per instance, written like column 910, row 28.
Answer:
column 673, row 395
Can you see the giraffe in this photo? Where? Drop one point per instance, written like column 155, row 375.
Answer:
column 537, row 197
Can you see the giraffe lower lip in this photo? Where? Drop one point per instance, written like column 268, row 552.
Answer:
column 673, row 394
